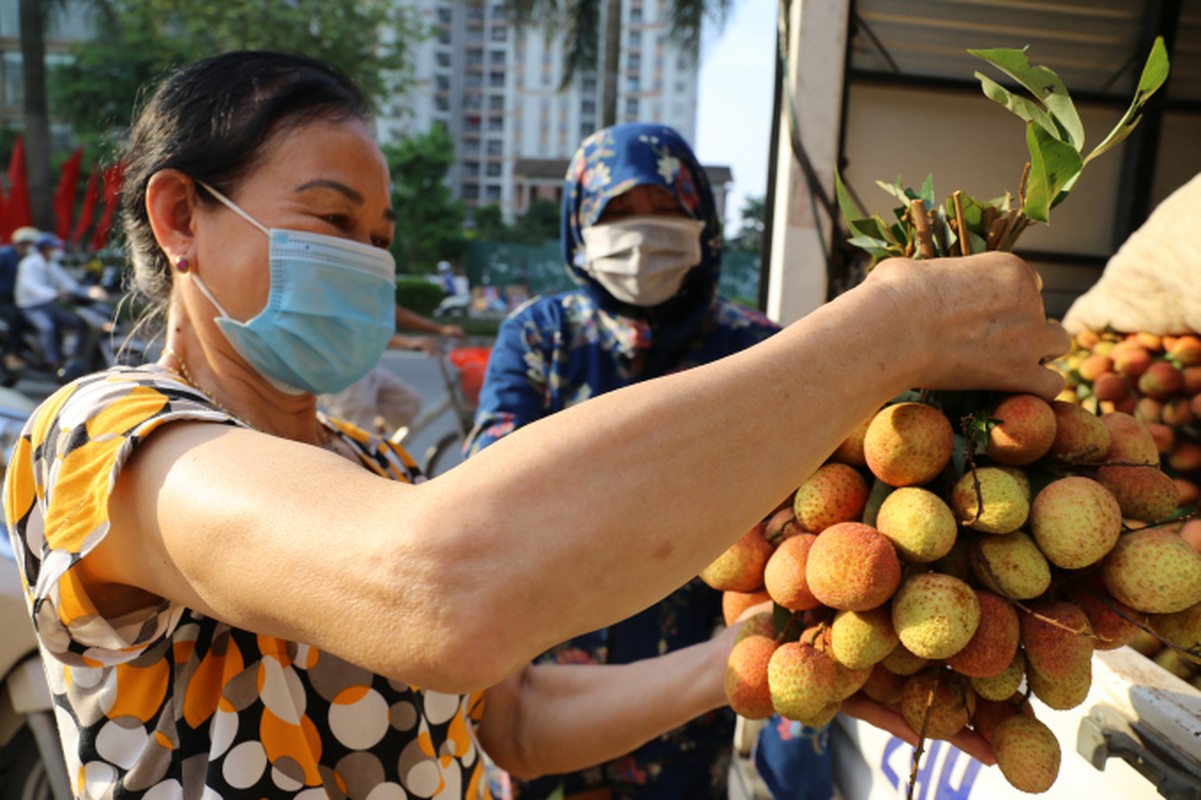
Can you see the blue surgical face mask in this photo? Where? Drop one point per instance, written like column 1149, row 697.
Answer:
column 329, row 314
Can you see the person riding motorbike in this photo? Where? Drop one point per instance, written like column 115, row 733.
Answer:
column 43, row 288
column 10, row 257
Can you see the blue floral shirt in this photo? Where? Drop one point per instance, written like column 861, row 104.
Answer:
column 560, row 350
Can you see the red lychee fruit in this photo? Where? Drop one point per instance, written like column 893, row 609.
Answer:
column 908, row 444
column 852, row 567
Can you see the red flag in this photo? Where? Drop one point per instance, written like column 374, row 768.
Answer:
column 88, row 212
column 64, row 196
column 112, row 186
column 18, row 210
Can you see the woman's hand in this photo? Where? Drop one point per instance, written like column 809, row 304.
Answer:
column 881, row 716
column 982, row 322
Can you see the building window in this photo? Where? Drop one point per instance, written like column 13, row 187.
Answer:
column 444, row 36
column 443, row 15
column 492, row 193
column 492, row 170
column 586, row 130
column 635, row 38
column 634, row 61
column 471, row 167
column 588, row 85
column 498, row 58
column 499, row 33
column 496, row 80
column 471, row 191
column 496, row 124
column 631, row 106
column 635, row 16
column 14, row 81
column 442, row 58
column 442, row 83
column 495, row 147
column 588, row 108
column 496, row 102
column 441, row 103
column 498, row 11
column 633, row 84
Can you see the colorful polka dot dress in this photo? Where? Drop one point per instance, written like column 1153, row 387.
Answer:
column 165, row 702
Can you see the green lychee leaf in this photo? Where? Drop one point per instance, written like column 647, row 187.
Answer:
column 782, row 619
column 1023, row 107
column 875, row 498
column 1053, row 167
column 1044, row 85
column 1155, row 73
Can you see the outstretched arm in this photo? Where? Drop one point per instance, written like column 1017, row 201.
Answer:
column 456, row 583
column 552, row 718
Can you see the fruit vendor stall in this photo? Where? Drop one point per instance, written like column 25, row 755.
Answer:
column 999, row 567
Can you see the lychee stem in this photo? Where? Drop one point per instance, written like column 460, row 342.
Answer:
column 921, row 738
column 1194, row 651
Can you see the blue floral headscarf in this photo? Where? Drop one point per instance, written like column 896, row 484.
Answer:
column 613, row 161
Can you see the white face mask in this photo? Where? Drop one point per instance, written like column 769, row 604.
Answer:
column 642, row 260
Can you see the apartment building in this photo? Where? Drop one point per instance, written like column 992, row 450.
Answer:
column 496, row 89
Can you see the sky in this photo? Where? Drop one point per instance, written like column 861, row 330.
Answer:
column 734, row 114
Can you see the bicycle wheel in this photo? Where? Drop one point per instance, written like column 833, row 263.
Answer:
column 443, row 454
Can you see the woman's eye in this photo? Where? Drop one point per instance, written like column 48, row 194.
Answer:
column 339, row 221
column 380, row 242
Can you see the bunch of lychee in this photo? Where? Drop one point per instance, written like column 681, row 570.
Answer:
column 949, row 562
column 1157, row 379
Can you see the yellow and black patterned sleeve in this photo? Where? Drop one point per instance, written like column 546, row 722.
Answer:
column 61, row 473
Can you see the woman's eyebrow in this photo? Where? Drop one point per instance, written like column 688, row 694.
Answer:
column 342, row 188
column 352, row 194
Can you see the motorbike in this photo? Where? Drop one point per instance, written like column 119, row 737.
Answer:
column 97, row 351
column 31, row 759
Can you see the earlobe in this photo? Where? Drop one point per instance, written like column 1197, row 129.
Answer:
column 171, row 208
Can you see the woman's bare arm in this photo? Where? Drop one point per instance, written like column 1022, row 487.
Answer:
column 570, row 523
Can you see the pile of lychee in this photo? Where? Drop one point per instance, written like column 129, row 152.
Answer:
column 955, row 555
column 1156, row 379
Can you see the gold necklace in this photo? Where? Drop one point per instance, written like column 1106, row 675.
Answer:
column 327, row 440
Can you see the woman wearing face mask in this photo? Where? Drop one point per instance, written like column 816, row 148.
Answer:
column 236, row 596
column 642, row 238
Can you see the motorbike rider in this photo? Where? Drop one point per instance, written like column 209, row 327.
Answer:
column 42, row 286
column 10, row 257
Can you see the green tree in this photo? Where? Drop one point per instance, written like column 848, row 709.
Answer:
column 539, row 223
column 429, row 223
column 749, row 237
column 489, row 224
column 139, row 41
column 588, row 48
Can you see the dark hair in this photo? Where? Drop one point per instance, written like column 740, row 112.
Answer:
column 211, row 120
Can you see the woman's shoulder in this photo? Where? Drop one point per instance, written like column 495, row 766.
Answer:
column 118, row 400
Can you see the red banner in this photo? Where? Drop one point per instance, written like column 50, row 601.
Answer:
column 64, row 195
column 17, row 210
column 88, row 212
column 112, row 187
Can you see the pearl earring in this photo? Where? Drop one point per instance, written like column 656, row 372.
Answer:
column 181, row 264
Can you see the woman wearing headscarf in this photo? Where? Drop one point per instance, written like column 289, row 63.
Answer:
column 642, row 239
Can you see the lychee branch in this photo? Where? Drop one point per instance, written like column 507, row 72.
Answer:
column 920, row 748
column 1192, row 652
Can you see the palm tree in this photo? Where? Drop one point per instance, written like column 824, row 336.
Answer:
column 580, row 22
column 37, row 112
